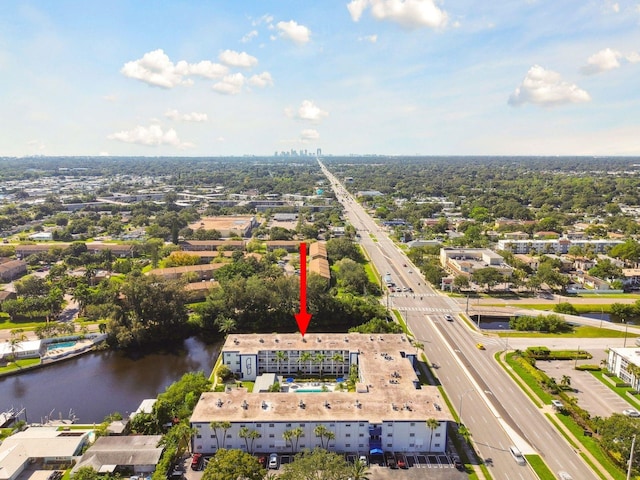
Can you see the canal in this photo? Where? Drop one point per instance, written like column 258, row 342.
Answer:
column 99, row 383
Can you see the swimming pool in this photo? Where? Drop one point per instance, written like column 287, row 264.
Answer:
column 54, row 346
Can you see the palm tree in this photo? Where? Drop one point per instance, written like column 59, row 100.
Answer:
column 17, row 337
column 419, row 346
column 224, row 426
column 319, row 358
column 306, row 357
column 359, row 471
column 281, row 357
column 432, row 424
column 323, row 432
column 184, row 433
column 565, row 381
column 226, row 325
column 248, row 435
column 337, row 357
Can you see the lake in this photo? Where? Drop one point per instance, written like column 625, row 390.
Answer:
column 99, row 383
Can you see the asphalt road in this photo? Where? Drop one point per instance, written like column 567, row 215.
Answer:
column 495, row 410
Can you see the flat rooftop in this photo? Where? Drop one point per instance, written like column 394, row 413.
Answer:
column 387, row 391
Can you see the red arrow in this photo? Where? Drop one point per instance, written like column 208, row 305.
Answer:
column 303, row 317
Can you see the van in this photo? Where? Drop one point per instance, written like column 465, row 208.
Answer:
column 517, row 455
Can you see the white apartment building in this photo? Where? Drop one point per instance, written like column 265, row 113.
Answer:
column 557, row 246
column 624, row 363
column 387, row 412
column 465, row 261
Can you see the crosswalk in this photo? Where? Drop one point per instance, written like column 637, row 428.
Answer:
column 424, row 309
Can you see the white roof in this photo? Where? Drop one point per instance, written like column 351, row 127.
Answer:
column 26, row 346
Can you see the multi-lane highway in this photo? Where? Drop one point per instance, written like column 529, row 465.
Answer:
column 494, row 409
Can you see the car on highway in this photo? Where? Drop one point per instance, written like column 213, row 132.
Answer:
column 448, row 318
column 273, row 461
column 480, row 346
column 631, row 412
column 564, row 476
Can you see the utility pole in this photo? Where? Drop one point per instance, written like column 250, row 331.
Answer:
column 633, row 446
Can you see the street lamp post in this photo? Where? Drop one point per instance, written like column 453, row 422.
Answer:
column 626, row 330
column 462, row 395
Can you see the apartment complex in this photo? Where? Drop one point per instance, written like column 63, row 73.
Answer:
column 386, row 412
column 557, row 246
column 465, row 261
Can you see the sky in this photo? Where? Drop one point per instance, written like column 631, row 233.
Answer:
column 388, row 77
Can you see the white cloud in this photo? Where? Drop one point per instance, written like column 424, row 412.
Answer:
column 263, row 19
column 186, row 117
column 295, row 32
column 103, row 154
column 610, row 6
column 249, row 36
column 546, row 87
column 307, row 111
column 156, row 68
column 633, row 57
column 261, row 80
column 110, row 98
column 602, row 61
column 406, row 13
column 230, row 84
column 152, row 135
column 205, row 69
column 356, row 8
column 309, row 134
column 369, row 38
column 237, row 59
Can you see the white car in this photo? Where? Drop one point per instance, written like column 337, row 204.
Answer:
column 557, row 404
column 564, row 476
column 363, row 460
column 273, row 461
column 631, row 412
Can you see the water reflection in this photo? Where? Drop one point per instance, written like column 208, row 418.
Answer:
column 100, row 383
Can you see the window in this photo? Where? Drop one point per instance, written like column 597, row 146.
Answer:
column 361, row 445
column 347, row 444
column 412, row 434
column 288, row 425
column 412, row 444
column 413, row 424
column 258, row 425
column 389, row 434
column 348, row 435
column 361, row 435
column 213, row 436
column 271, row 435
column 198, row 436
column 437, row 434
column 389, row 445
column 348, row 425
column 437, row 444
column 361, row 424
column 271, row 425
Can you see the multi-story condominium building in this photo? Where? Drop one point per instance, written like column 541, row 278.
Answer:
column 624, row 363
column 557, row 246
column 12, row 269
column 387, row 411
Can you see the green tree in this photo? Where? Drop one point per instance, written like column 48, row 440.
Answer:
column 323, row 433
column 249, row 437
column 432, row 425
column 220, row 430
column 317, row 464
column 233, row 464
column 306, row 357
column 487, row 276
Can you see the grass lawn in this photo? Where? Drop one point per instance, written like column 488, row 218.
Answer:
column 9, row 325
column 540, row 467
column 28, row 362
column 582, row 331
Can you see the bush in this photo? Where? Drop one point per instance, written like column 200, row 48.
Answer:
column 589, row 368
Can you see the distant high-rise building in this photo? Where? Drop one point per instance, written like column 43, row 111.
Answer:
column 319, row 152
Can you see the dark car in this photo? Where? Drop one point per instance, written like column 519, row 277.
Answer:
column 458, row 464
column 391, row 461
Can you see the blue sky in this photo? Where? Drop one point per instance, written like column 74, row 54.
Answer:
column 397, row 77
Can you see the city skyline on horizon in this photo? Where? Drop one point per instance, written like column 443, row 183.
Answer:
column 353, row 77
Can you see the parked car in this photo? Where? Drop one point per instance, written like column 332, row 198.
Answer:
column 400, row 461
column 273, row 461
column 557, row 404
column 196, row 461
column 458, row 464
column 262, row 460
column 363, row 460
column 390, row 459
column 631, row 412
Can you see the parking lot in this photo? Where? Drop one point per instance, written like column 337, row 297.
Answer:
column 417, row 466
